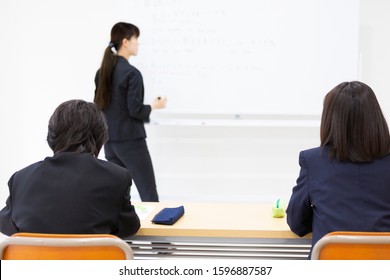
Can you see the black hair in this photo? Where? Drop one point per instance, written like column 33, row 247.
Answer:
column 77, row 126
column 352, row 125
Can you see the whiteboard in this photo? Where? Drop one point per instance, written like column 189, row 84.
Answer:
column 244, row 56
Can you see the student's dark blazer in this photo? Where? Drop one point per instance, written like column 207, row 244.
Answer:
column 126, row 113
column 70, row 193
column 339, row 196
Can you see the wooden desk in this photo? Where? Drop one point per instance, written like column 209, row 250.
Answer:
column 219, row 230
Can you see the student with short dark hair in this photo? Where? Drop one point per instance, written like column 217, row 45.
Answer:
column 344, row 185
column 73, row 191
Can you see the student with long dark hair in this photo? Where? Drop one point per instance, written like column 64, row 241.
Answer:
column 72, row 191
column 344, row 185
column 120, row 95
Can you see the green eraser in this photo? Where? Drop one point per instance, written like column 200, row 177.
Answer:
column 278, row 209
column 277, row 212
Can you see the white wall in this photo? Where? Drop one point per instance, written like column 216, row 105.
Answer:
column 218, row 163
column 374, row 47
column 49, row 51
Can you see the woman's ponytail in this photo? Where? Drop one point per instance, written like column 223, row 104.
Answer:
column 103, row 92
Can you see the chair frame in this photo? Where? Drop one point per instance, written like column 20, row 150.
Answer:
column 349, row 239
column 64, row 240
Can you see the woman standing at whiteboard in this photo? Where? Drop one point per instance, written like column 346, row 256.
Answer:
column 120, row 95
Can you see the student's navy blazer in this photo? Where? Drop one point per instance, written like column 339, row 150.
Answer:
column 339, row 196
column 70, row 193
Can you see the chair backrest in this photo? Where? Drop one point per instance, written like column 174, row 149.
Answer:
column 347, row 245
column 36, row 246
